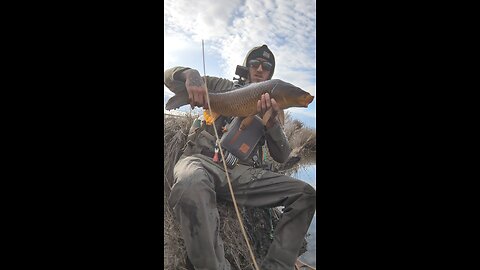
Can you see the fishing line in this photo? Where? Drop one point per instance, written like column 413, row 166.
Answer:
column 225, row 167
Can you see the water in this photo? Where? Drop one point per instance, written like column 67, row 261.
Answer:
column 307, row 172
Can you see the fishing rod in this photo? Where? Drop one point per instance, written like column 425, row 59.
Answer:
column 225, row 166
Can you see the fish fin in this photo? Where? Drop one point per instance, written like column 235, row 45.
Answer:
column 246, row 122
column 281, row 117
column 207, row 117
column 214, row 114
column 177, row 101
column 267, row 116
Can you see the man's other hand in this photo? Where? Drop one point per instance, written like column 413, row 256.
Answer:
column 264, row 104
column 196, row 89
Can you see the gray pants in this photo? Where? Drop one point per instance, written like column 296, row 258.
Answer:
column 199, row 182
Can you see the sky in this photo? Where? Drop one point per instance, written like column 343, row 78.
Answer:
column 231, row 28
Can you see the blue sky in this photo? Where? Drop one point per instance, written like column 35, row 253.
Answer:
column 231, row 28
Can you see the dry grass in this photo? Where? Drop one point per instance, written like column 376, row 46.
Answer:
column 300, row 136
column 258, row 222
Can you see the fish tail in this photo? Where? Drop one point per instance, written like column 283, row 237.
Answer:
column 177, row 101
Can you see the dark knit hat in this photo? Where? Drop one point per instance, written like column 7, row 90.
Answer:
column 261, row 52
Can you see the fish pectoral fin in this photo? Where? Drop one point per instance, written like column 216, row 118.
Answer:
column 267, row 116
column 246, row 122
column 281, row 117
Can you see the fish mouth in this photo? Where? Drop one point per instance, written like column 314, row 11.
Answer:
column 308, row 100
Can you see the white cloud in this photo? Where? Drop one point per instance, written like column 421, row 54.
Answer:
column 302, row 111
column 232, row 28
column 205, row 19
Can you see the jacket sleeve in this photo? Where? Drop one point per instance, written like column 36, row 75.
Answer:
column 171, row 82
column 214, row 84
column 277, row 143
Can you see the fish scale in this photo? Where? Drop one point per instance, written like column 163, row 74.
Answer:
column 241, row 102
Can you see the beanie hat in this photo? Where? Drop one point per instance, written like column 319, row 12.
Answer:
column 261, row 52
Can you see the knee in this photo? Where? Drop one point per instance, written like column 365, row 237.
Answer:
column 189, row 183
column 189, row 175
column 189, row 170
column 310, row 194
column 309, row 190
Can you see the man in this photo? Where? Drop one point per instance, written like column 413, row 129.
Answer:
column 200, row 181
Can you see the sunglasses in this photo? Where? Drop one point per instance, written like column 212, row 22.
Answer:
column 256, row 63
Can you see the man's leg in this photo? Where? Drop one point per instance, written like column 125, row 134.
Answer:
column 260, row 188
column 193, row 200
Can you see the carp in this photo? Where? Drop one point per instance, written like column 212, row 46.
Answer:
column 243, row 101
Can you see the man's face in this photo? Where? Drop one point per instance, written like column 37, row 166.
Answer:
column 259, row 70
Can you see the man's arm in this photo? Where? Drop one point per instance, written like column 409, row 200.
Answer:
column 173, row 81
column 181, row 79
column 277, row 141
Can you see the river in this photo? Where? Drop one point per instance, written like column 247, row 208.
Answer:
column 307, row 171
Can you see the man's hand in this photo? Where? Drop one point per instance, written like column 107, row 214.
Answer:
column 196, row 89
column 266, row 103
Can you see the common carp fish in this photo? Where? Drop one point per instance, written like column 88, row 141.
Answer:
column 243, row 101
